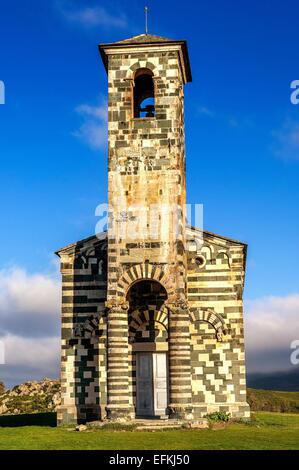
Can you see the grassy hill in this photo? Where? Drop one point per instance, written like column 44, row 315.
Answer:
column 30, row 397
column 269, row 400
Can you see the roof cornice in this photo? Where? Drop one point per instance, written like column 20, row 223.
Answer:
column 153, row 46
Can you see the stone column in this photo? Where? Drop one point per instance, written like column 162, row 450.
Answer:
column 117, row 357
column 180, row 406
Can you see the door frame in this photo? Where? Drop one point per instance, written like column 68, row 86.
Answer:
column 151, row 353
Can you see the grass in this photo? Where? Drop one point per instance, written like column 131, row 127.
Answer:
column 266, row 431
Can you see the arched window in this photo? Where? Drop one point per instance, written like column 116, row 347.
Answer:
column 144, row 94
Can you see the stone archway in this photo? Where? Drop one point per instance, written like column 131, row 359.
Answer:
column 211, row 317
column 148, row 347
column 143, row 319
column 121, row 390
column 138, row 65
column 144, row 271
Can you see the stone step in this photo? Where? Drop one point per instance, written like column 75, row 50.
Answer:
column 153, row 428
column 156, row 423
column 202, row 423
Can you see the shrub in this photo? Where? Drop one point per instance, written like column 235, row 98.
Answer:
column 218, row 416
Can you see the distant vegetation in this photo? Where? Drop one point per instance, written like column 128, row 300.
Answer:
column 31, row 397
column 268, row 400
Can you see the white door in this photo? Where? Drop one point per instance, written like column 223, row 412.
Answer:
column 151, row 384
column 160, row 383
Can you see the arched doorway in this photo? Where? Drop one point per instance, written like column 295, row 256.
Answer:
column 148, row 347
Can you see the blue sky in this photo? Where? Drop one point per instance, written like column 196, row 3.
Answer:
column 242, row 130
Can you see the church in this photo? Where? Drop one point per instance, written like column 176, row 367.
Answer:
column 152, row 307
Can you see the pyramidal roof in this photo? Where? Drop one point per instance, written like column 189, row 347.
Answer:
column 143, row 38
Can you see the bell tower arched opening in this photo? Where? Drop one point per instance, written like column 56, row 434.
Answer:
column 144, row 94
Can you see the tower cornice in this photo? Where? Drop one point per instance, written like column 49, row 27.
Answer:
column 150, row 44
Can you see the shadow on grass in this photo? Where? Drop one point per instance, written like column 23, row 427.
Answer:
column 34, row 419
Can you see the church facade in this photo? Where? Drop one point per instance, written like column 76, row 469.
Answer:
column 152, row 308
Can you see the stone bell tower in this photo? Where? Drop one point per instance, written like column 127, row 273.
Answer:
column 146, row 197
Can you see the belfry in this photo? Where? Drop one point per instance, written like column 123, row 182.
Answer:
column 152, row 308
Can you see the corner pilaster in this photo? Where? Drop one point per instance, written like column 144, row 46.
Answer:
column 180, row 406
column 118, row 406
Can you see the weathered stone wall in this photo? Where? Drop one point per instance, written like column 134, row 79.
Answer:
column 215, row 291
column 83, row 334
column 146, row 174
column 146, row 163
column 216, row 325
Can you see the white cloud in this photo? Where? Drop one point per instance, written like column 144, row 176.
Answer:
column 35, row 353
column 29, row 324
column 93, row 130
column 29, row 359
column 271, row 322
column 23, row 292
column 97, row 112
column 90, row 17
column 286, row 145
column 29, row 303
